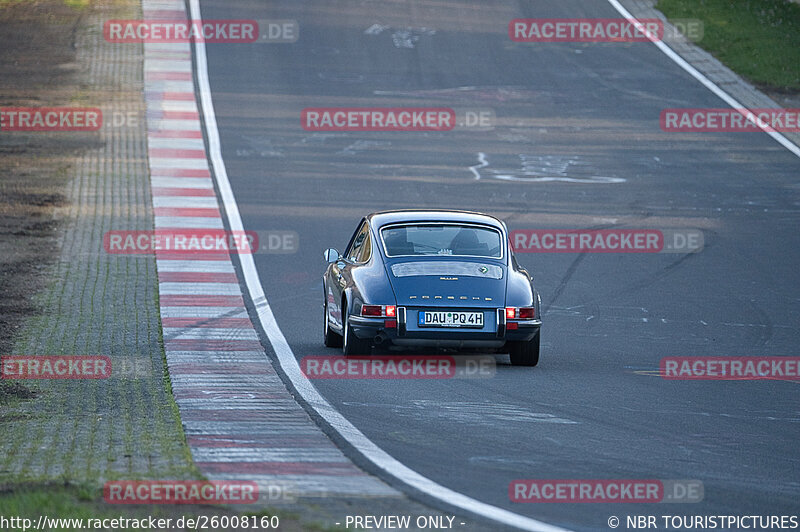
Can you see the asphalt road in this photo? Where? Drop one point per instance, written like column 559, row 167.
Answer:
column 592, row 409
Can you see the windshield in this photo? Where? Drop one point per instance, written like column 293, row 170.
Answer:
column 442, row 239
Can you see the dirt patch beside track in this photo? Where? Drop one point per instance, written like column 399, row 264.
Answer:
column 37, row 69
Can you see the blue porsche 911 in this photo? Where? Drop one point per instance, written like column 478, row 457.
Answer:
column 431, row 279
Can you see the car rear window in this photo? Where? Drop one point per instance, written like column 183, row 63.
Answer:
column 442, row 239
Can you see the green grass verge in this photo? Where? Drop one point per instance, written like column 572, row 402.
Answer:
column 758, row 39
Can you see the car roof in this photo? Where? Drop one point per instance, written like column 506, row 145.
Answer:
column 379, row 219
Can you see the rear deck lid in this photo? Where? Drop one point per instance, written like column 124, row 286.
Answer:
column 448, row 283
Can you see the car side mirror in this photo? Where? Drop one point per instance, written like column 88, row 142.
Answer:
column 331, row 255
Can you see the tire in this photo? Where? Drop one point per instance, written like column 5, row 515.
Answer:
column 331, row 338
column 352, row 345
column 525, row 353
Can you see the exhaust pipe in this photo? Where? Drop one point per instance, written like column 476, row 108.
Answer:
column 379, row 338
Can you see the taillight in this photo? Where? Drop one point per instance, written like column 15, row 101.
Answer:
column 527, row 313
column 371, row 310
column 524, row 313
column 378, row 311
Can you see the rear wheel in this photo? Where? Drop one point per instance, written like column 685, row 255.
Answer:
column 331, row 338
column 525, row 353
column 352, row 344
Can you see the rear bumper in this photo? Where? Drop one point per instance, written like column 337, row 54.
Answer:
column 495, row 333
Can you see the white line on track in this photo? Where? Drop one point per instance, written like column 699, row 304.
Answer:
column 482, row 163
column 286, row 357
column 696, row 74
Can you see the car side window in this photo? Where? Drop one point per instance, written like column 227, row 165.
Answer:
column 358, row 241
column 366, row 249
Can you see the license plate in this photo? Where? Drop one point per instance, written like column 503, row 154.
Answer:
column 451, row 319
